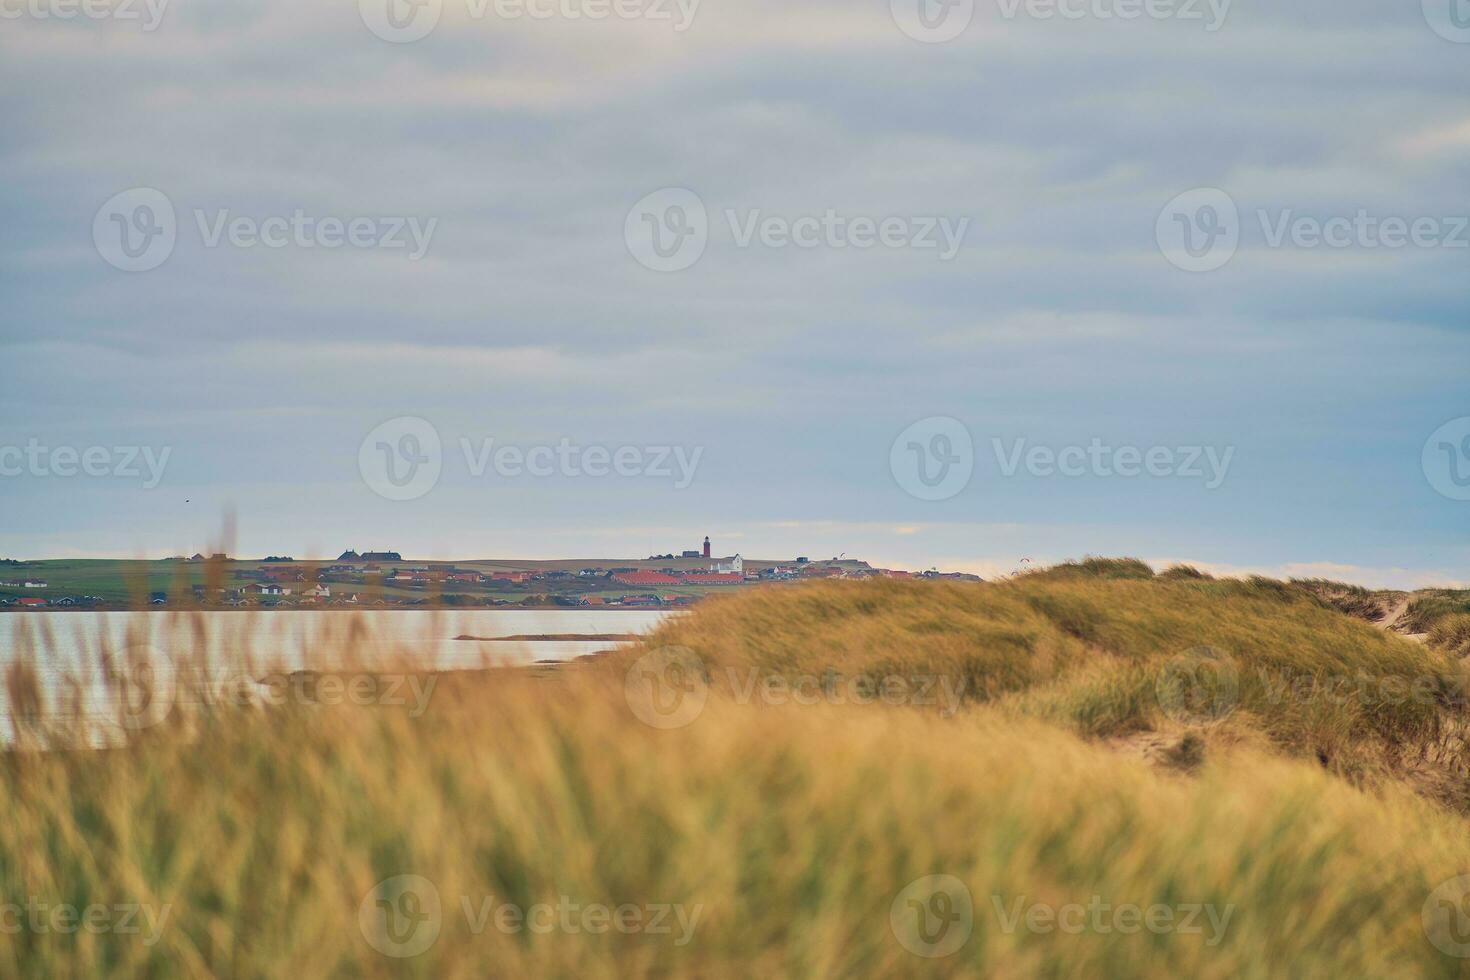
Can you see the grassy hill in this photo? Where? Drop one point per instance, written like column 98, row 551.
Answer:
column 836, row 779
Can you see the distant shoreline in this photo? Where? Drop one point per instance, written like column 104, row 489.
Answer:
column 318, row 609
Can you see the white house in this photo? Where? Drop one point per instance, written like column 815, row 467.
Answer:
column 735, row 566
column 319, row 591
column 267, row 589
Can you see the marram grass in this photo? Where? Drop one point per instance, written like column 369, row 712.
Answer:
column 780, row 839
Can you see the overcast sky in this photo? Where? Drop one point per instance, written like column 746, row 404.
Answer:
column 767, row 249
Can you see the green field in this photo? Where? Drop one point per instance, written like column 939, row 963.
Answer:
column 118, row 582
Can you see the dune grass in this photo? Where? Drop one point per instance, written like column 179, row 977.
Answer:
column 770, row 834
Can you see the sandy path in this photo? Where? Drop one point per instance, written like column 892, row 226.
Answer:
column 1395, row 614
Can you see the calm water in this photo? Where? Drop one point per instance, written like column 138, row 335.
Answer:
column 314, row 639
column 240, row 647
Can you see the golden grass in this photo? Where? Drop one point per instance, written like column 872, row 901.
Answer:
column 791, row 828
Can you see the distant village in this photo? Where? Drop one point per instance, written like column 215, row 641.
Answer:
column 385, row 579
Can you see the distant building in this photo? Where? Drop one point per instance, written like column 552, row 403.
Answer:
column 381, row 556
column 692, row 554
column 258, row 589
column 735, row 566
column 349, row 555
column 28, row 603
column 706, row 547
column 515, row 578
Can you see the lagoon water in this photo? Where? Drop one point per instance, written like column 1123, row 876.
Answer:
column 315, row 639
column 234, row 650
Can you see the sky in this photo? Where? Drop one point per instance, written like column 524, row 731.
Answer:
column 970, row 285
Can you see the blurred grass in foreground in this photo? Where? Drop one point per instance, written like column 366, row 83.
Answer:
column 1068, row 774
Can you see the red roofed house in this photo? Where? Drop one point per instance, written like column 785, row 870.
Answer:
column 30, row 603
